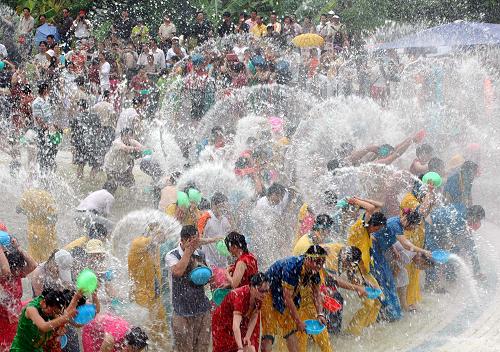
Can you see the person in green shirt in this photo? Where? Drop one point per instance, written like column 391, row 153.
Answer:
column 41, row 317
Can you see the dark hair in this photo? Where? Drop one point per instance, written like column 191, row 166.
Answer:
column 98, row 231
column 68, row 295
column 258, row 279
column 377, row 219
column 65, row 8
column 218, row 198
column 204, row 204
column 51, row 36
column 316, row 250
column 424, row 149
column 79, row 254
column 15, row 258
column 110, row 186
column 277, row 189
column 174, row 176
column 126, row 130
column 413, row 217
column 352, row 254
column 27, row 8
column 236, row 239
column 333, row 165
column 323, row 222
column 469, row 168
column 43, row 42
column 106, row 94
column 330, row 197
column 137, row 100
column 43, row 87
column 41, row 17
column 475, row 213
column 80, row 81
column 55, row 298
column 226, row 14
column 137, row 338
column 435, row 164
column 188, row 231
column 82, row 103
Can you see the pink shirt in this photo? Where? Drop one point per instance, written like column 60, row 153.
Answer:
column 93, row 333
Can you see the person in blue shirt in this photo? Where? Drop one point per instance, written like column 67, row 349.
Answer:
column 280, row 309
column 458, row 189
column 382, row 242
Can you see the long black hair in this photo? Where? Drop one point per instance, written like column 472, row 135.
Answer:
column 236, row 239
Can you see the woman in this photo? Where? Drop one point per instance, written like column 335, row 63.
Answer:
column 236, row 322
column 245, row 267
column 108, row 333
column 15, row 264
column 41, row 317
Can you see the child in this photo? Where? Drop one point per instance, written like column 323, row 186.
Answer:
column 424, row 153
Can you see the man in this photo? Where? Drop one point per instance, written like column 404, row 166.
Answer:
column 124, row 26
column 105, row 111
column 339, row 33
column 96, row 207
column 191, row 318
column 324, row 28
column 51, row 41
column 64, row 25
column 242, row 26
column 130, row 117
column 252, row 21
column 46, row 127
column 41, row 58
column 25, row 29
column 280, row 309
column 201, row 30
column 158, row 54
column 259, row 29
column 81, row 26
column 166, row 33
column 227, row 27
column 176, row 51
column 274, row 22
column 216, row 226
column 275, row 201
column 140, row 33
column 458, row 189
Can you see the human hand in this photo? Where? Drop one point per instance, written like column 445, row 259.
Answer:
column 301, row 326
column 14, row 242
column 361, row 291
column 322, row 319
column 247, row 341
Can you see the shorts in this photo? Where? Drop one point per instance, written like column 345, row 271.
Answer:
column 275, row 323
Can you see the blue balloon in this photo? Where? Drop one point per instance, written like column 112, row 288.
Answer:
column 441, row 256
column 63, row 340
column 85, row 314
column 4, row 239
column 372, row 293
column 314, row 327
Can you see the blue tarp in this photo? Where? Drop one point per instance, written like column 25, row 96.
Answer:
column 451, row 35
column 43, row 31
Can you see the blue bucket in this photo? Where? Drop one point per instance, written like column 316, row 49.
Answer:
column 441, row 256
column 314, row 327
column 201, row 275
column 372, row 293
column 4, row 239
column 85, row 314
column 63, row 340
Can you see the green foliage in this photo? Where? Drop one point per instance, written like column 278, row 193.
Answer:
column 52, row 9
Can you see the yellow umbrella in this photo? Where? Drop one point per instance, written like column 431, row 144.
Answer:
column 308, row 40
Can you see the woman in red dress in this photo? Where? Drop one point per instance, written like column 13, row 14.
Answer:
column 236, row 322
column 245, row 266
column 15, row 264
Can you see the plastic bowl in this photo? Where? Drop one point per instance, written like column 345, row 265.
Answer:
column 4, row 238
column 85, row 314
column 372, row 293
column 441, row 256
column 314, row 327
column 219, row 294
column 201, row 275
column 331, row 304
column 63, row 340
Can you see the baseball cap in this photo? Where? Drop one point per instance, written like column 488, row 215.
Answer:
column 336, row 16
column 95, row 246
column 64, row 260
column 51, row 52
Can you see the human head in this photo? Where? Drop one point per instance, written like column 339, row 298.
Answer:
column 54, row 302
column 175, row 41
column 42, row 47
column 236, row 242
column 110, row 186
column 332, row 166
column 275, row 193
column 273, row 18
column 323, row 18
column 43, row 88
column 218, row 203
column 315, row 258
column 124, row 14
column 410, row 218
column 377, row 221
column 82, row 13
column 42, row 19
column 83, row 105
column 227, row 16
column 200, row 16
column 253, row 15
column 258, row 19
column 136, row 340
column 16, row 260
column 469, row 170
column 349, row 257
column 51, row 39
column 424, row 152
column 138, row 102
column 436, row 165
column 259, row 285
column 26, row 12
column 166, row 19
column 336, row 19
column 321, row 227
column 475, row 214
column 188, row 232
column 98, row 232
column 153, row 44
column 96, row 253
column 126, row 135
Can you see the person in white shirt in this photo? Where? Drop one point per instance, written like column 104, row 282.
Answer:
column 142, row 60
column 104, row 70
column 96, row 207
column 176, row 50
column 217, row 226
column 25, row 31
column 81, row 26
column 130, row 117
column 252, row 21
column 166, row 32
column 119, row 160
column 158, row 54
column 323, row 28
column 275, row 201
column 41, row 60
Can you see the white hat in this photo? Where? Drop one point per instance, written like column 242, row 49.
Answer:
column 175, row 38
column 331, row 12
column 51, row 52
column 336, row 16
column 64, row 260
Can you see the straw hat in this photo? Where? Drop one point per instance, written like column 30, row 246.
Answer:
column 95, row 247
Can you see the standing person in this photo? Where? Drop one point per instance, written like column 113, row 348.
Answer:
column 420, row 164
column 252, row 21
column 236, row 322
column 15, row 264
column 215, row 224
column 201, row 29
column 81, row 26
column 273, row 21
column 124, row 26
column 259, row 29
column 175, row 51
column 25, row 30
column 324, row 28
column 41, row 318
column 109, row 333
column 158, row 54
column 242, row 27
column 166, row 32
column 130, row 117
column 191, row 317
column 241, row 272
column 227, row 27
column 104, row 71
column 140, row 33
column 64, row 27
column 280, row 313
column 107, row 116
column 54, row 273
column 339, row 32
column 458, row 188
column 40, row 209
column 46, row 128
column 96, row 207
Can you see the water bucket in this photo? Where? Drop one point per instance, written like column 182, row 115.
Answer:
column 201, row 275
column 314, row 327
column 441, row 256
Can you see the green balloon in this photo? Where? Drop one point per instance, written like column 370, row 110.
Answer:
column 147, row 152
column 86, row 281
column 222, row 248
column 434, row 178
column 56, row 138
column 182, row 199
column 194, row 196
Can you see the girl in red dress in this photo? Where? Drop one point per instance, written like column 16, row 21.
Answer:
column 245, row 266
column 236, row 322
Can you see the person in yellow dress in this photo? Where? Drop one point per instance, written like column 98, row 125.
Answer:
column 420, row 200
column 40, row 208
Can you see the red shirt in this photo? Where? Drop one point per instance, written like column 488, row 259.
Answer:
column 10, row 309
column 251, row 270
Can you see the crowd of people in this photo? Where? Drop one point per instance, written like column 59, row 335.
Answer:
column 103, row 96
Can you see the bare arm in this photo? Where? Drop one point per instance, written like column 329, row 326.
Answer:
column 238, row 273
column 288, row 296
column 46, row 326
column 251, row 327
column 356, row 155
column 318, row 299
column 351, row 287
column 31, row 264
column 237, row 330
column 411, row 247
column 400, row 150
